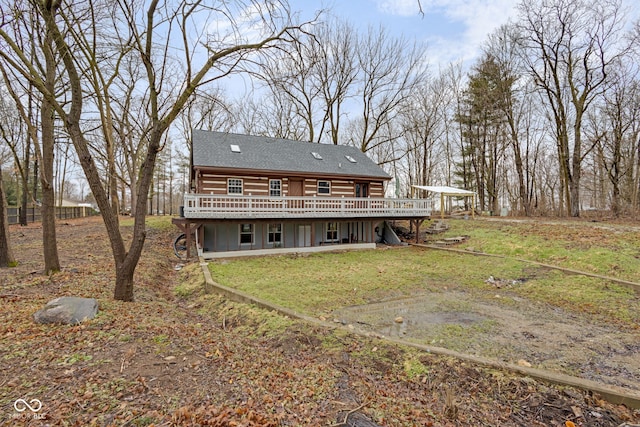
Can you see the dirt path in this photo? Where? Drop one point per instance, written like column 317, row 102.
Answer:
column 508, row 328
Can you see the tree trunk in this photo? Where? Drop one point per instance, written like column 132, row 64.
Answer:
column 36, row 179
column 523, row 195
column 124, row 279
column 615, row 201
column 134, row 194
column 48, row 211
column 125, row 266
column 564, row 197
column 24, row 200
column 576, row 162
column 574, row 190
column 6, row 255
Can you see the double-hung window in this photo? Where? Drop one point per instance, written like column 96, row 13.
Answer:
column 275, row 187
column 324, row 187
column 234, row 186
column 275, row 234
column 246, row 234
column 332, row 232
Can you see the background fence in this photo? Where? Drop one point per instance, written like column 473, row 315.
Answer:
column 63, row 212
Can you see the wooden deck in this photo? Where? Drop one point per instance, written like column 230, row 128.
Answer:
column 206, row 206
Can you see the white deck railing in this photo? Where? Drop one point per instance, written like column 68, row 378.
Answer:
column 224, row 206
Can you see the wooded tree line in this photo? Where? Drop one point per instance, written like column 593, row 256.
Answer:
column 544, row 122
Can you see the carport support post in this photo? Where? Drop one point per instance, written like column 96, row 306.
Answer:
column 442, row 205
column 473, row 206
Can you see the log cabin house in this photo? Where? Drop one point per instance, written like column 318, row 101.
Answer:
column 254, row 195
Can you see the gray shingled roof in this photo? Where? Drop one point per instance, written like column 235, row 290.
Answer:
column 213, row 149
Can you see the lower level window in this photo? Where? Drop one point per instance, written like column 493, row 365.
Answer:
column 246, row 234
column 275, row 234
column 332, row 232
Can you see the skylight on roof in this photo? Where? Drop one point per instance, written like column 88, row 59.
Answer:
column 316, row 156
column 235, row 148
column 351, row 159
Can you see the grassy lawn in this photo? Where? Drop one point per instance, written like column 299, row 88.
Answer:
column 320, row 283
column 609, row 250
column 326, row 281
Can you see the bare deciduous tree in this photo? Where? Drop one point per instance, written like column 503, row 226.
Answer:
column 6, row 254
column 570, row 47
column 147, row 32
column 309, row 85
column 33, row 42
column 6, row 135
column 615, row 130
column 389, row 69
column 14, row 134
column 292, row 79
column 503, row 48
column 423, row 120
column 337, row 72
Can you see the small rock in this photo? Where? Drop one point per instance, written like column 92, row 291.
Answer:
column 67, row 310
column 170, row 358
column 524, row 363
column 399, row 319
column 577, row 411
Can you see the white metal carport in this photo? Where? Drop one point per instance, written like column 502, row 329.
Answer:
column 449, row 191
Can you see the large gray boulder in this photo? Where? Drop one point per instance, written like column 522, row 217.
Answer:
column 67, row 310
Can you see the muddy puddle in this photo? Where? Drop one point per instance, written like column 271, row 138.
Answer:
column 509, row 329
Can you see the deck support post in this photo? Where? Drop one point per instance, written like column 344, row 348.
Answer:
column 418, row 223
column 188, row 228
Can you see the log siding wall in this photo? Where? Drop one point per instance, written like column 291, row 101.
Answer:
column 376, row 189
column 259, row 186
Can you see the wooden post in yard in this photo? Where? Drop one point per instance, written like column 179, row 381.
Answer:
column 418, row 224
